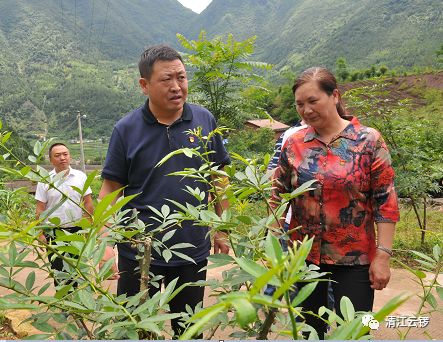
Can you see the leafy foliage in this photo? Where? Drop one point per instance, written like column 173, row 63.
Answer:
column 89, row 311
column 220, row 70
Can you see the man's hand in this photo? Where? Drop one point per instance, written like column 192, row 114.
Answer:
column 221, row 243
column 110, row 254
column 379, row 271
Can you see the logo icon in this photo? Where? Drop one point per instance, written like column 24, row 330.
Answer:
column 369, row 321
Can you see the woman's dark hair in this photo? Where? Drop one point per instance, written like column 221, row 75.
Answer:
column 326, row 81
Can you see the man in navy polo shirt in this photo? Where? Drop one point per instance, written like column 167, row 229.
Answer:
column 139, row 141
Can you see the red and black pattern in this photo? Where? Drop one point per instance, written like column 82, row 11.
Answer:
column 354, row 189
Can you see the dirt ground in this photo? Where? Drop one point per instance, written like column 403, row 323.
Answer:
column 401, row 282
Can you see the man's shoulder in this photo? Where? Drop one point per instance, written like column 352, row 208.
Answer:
column 77, row 173
column 295, row 131
column 131, row 118
column 200, row 111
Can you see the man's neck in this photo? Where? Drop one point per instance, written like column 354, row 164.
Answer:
column 166, row 118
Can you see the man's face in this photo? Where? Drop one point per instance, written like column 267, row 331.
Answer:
column 60, row 158
column 167, row 88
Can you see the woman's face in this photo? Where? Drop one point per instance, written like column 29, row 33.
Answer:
column 315, row 106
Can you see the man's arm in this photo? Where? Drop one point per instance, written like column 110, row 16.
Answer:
column 40, row 207
column 109, row 186
column 88, row 204
column 220, row 238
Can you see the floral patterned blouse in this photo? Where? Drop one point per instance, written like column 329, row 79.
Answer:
column 354, row 189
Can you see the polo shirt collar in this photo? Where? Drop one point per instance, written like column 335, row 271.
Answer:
column 350, row 131
column 151, row 119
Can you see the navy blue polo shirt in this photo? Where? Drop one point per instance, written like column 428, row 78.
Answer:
column 138, row 142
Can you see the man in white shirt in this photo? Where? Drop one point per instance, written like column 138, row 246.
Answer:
column 51, row 202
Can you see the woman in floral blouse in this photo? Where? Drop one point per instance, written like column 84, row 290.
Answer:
column 354, row 189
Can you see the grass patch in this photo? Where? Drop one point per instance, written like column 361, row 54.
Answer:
column 408, row 234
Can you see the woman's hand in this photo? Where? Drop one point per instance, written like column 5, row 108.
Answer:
column 380, row 271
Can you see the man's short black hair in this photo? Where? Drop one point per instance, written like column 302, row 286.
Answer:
column 54, row 145
column 156, row 53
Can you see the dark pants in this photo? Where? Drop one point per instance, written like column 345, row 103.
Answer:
column 129, row 284
column 57, row 262
column 350, row 281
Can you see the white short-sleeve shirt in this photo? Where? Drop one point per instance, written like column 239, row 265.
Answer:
column 286, row 135
column 69, row 211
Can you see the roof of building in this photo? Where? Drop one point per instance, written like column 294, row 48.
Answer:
column 272, row 124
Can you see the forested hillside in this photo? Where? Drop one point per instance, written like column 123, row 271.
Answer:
column 397, row 33
column 58, row 57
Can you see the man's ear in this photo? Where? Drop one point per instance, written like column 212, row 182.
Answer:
column 144, row 85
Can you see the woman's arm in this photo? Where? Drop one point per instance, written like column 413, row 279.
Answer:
column 379, row 271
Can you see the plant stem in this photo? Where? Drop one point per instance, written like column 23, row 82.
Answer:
column 145, row 263
column 291, row 316
column 427, row 293
column 267, row 324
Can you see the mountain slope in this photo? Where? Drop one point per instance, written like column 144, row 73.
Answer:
column 51, row 30
column 398, row 33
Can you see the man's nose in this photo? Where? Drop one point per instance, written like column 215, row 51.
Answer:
column 308, row 109
column 174, row 85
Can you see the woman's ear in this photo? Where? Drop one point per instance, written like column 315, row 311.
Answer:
column 336, row 95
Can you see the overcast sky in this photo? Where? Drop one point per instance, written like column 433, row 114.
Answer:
column 195, row 5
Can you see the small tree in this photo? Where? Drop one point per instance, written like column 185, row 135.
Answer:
column 342, row 69
column 220, row 72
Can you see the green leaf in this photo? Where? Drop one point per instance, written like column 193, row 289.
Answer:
column 168, row 235
column 244, row 219
column 432, row 301
column 6, row 137
column 347, row 309
column 182, row 245
column 220, row 259
column 436, row 251
column 251, row 267
column 202, row 318
column 423, row 256
column 439, row 290
column 183, row 256
column 30, row 280
column 89, row 181
column 303, row 293
column 165, row 210
column 273, row 249
column 167, row 254
column 149, row 326
column 87, row 299
column 168, row 291
column 245, row 312
column 63, row 291
column 37, row 148
column 38, row 337
column 55, row 221
column 98, row 255
column 43, row 288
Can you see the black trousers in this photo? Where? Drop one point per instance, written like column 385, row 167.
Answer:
column 129, row 284
column 57, row 262
column 350, row 281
